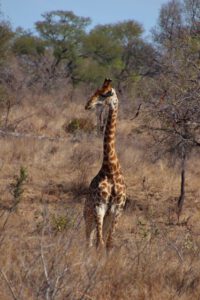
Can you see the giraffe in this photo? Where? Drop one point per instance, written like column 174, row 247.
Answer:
column 107, row 191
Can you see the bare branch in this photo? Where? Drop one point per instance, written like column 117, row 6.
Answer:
column 137, row 112
column 8, row 285
column 45, row 267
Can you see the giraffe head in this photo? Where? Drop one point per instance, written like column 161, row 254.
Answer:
column 106, row 95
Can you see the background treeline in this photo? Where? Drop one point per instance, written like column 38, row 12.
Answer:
column 64, row 47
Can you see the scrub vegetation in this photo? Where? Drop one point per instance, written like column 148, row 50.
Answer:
column 50, row 149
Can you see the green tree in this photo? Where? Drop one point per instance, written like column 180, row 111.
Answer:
column 137, row 55
column 63, row 32
column 101, row 56
column 116, row 50
column 6, row 35
column 26, row 44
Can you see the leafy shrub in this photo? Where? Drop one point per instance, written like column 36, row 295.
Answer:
column 61, row 223
column 28, row 45
column 80, row 124
column 17, row 186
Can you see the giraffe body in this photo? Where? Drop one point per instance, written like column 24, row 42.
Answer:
column 107, row 189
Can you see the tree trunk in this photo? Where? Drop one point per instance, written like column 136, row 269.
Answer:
column 8, row 109
column 182, row 189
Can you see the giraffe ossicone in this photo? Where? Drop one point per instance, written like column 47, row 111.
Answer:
column 107, row 194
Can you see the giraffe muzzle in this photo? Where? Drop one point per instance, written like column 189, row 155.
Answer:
column 89, row 106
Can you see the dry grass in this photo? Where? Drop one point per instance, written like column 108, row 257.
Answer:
column 42, row 243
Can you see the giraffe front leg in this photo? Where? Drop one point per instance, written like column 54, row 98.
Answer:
column 100, row 213
column 89, row 231
column 115, row 215
column 89, row 218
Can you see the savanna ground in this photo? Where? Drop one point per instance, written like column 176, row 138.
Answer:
column 42, row 241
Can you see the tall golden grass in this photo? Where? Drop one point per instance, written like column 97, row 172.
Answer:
column 42, row 242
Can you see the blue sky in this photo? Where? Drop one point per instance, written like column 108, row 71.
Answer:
column 25, row 13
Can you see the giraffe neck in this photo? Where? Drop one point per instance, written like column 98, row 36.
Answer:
column 110, row 160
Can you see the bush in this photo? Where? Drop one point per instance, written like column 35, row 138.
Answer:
column 16, row 188
column 28, row 45
column 80, row 124
column 60, row 223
